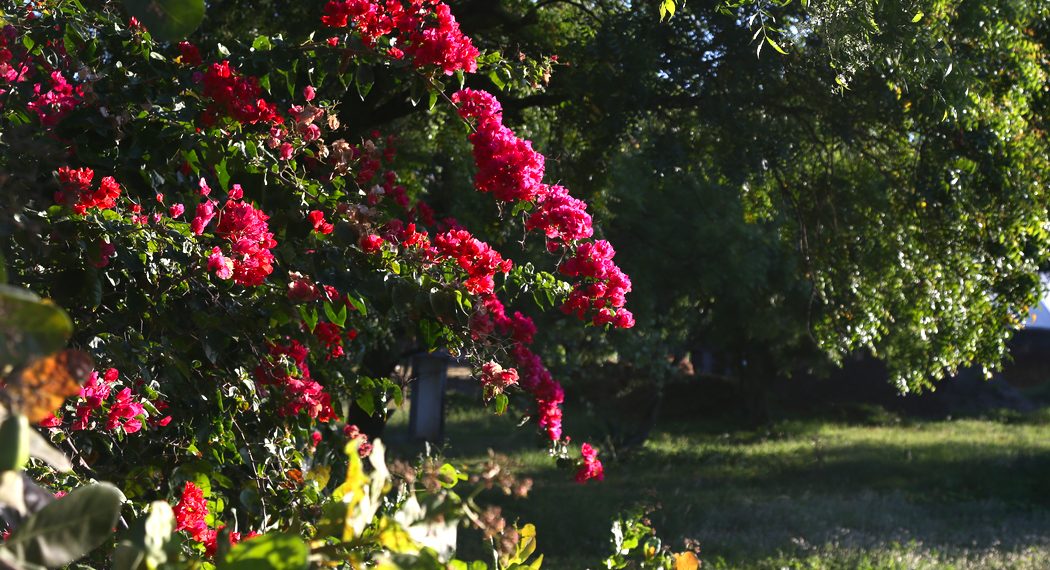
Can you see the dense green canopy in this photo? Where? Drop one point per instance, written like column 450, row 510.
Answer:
column 880, row 185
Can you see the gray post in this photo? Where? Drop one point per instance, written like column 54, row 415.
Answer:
column 426, row 418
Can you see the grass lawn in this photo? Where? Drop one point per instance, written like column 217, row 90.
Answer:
column 807, row 494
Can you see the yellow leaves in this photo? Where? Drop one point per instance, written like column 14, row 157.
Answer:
column 359, row 496
column 321, row 474
column 667, row 8
column 394, row 538
column 352, row 489
column 526, row 547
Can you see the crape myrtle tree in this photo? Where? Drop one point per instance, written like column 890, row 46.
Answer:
column 239, row 251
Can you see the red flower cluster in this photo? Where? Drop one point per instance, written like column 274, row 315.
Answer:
column 605, row 290
column 371, row 243
column 237, row 96
column 244, row 226
column 191, row 513
column 425, row 30
column 476, row 257
column 189, row 54
column 331, row 336
column 318, row 222
column 590, row 467
column 287, row 369
column 76, row 188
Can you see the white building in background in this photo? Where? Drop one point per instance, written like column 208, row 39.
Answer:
column 1039, row 316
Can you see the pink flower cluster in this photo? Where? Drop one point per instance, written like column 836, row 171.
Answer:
column 8, row 72
column 76, row 189
column 364, row 449
column 532, row 375
column 237, row 96
column 424, row 30
column 244, row 226
column 605, row 288
column 497, row 379
column 474, row 256
column 125, row 412
column 590, row 466
column 191, row 514
column 560, row 217
column 510, row 169
column 507, row 165
column 288, row 371
column 51, row 106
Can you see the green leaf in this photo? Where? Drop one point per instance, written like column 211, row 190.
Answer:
column 309, row 317
column 29, row 327
column 222, row 174
column 501, row 401
column 775, row 45
column 358, row 304
column 366, row 401
column 274, row 551
column 68, row 528
column 497, row 80
column 918, row 17
column 147, row 539
column 261, row 43
column 167, row 20
column 334, row 317
column 14, row 443
column 364, row 78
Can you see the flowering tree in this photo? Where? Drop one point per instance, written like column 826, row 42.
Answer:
column 229, row 254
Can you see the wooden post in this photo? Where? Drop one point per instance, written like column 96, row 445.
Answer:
column 426, row 418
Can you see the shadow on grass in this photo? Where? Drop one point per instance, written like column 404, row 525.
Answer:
column 751, row 495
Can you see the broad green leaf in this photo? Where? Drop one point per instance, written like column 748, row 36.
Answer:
column 167, row 20
column 147, row 539
column 68, row 528
column 261, row 43
column 501, row 401
column 358, row 304
column 272, row 551
column 14, row 442
column 29, row 327
column 918, row 17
